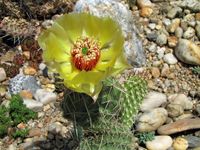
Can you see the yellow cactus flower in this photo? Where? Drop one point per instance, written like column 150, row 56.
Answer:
column 84, row 50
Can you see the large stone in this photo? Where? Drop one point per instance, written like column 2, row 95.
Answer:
column 150, row 121
column 179, row 126
column 23, row 82
column 159, row 143
column 33, row 105
column 188, row 52
column 120, row 13
column 153, row 100
column 193, row 5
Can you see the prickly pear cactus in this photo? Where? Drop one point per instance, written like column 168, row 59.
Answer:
column 135, row 88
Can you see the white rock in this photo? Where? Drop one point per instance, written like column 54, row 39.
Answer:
column 144, row 3
column 170, row 59
column 189, row 33
column 188, row 52
column 2, row 74
column 33, row 104
column 150, row 121
column 181, row 99
column 153, row 100
column 44, row 96
column 159, row 143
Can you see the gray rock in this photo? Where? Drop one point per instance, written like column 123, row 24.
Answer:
column 153, row 100
column 193, row 5
column 23, row 82
column 150, row 121
column 152, row 36
column 161, row 39
column 179, row 32
column 33, row 105
column 193, row 141
column 189, row 33
column 45, row 97
column 173, row 12
column 120, row 13
column 166, row 21
column 198, row 30
column 170, row 59
column 188, row 52
column 152, row 47
column 2, row 74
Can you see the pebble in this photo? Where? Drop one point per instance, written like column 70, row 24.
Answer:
column 153, row 100
column 152, row 48
column 151, row 120
column 161, row 39
column 166, row 21
column 179, row 126
column 45, row 97
column 26, row 94
column 198, row 30
column 165, row 70
column 2, row 74
column 159, row 143
column 188, row 52
column 146, row 11
column 35, row 132
column 152, row 26
column 33, row 105
column 174, row 25
column 175, row 110
column 193, row 141
column 180, row 144
column 189, row 33
column 173, row 12
column 144, row 3
column 170, row 59
column 155, row 72
column 152, row 36
column 30, row 71
column 3, row 90
column 193, row 5
column 172, row 41
column 179, row 32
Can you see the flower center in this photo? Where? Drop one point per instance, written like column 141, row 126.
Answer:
column 85, row 53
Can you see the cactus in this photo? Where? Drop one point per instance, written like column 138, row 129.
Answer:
column 135, row 90
column 196, row 70
column 118, row 105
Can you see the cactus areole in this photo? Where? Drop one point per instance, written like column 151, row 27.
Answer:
column 84, row 50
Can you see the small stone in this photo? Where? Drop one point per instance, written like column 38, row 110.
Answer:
column 170, row 59
column 198, row 109
column 189, row 33
column 173, row 12
column 166, row 21
column 153, row 100
column 174, row 25
column 152, row 48
column 172, row 41
column 35, row 132
column 144, row 3
column 152, row 26
column 159, row 143
column 161, row 39
column 3, row 91
column 44, row 96
column 42, row 66
column 47, row 107
column 55, row 127
column 188, row 52
column 180, row 144
column 21, row 126
column 197, row 16
column 165, row 70
column 146, row 11
column 2, row 74
column 29, row 71
column 179, row 32
column 179, row 126
column 155, row 72
column 26, row 94
column 26, row 54
column 193, row 141
column 151, row 120
column 152, row 36
column 198, row 30
column 33, row 105
column 8, row 57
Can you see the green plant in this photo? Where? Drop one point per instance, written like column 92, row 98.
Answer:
column 20, row 133
column 5, row 121
column 19, row 112
column 118, row 105
column 143, row 137
column 196, row 70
